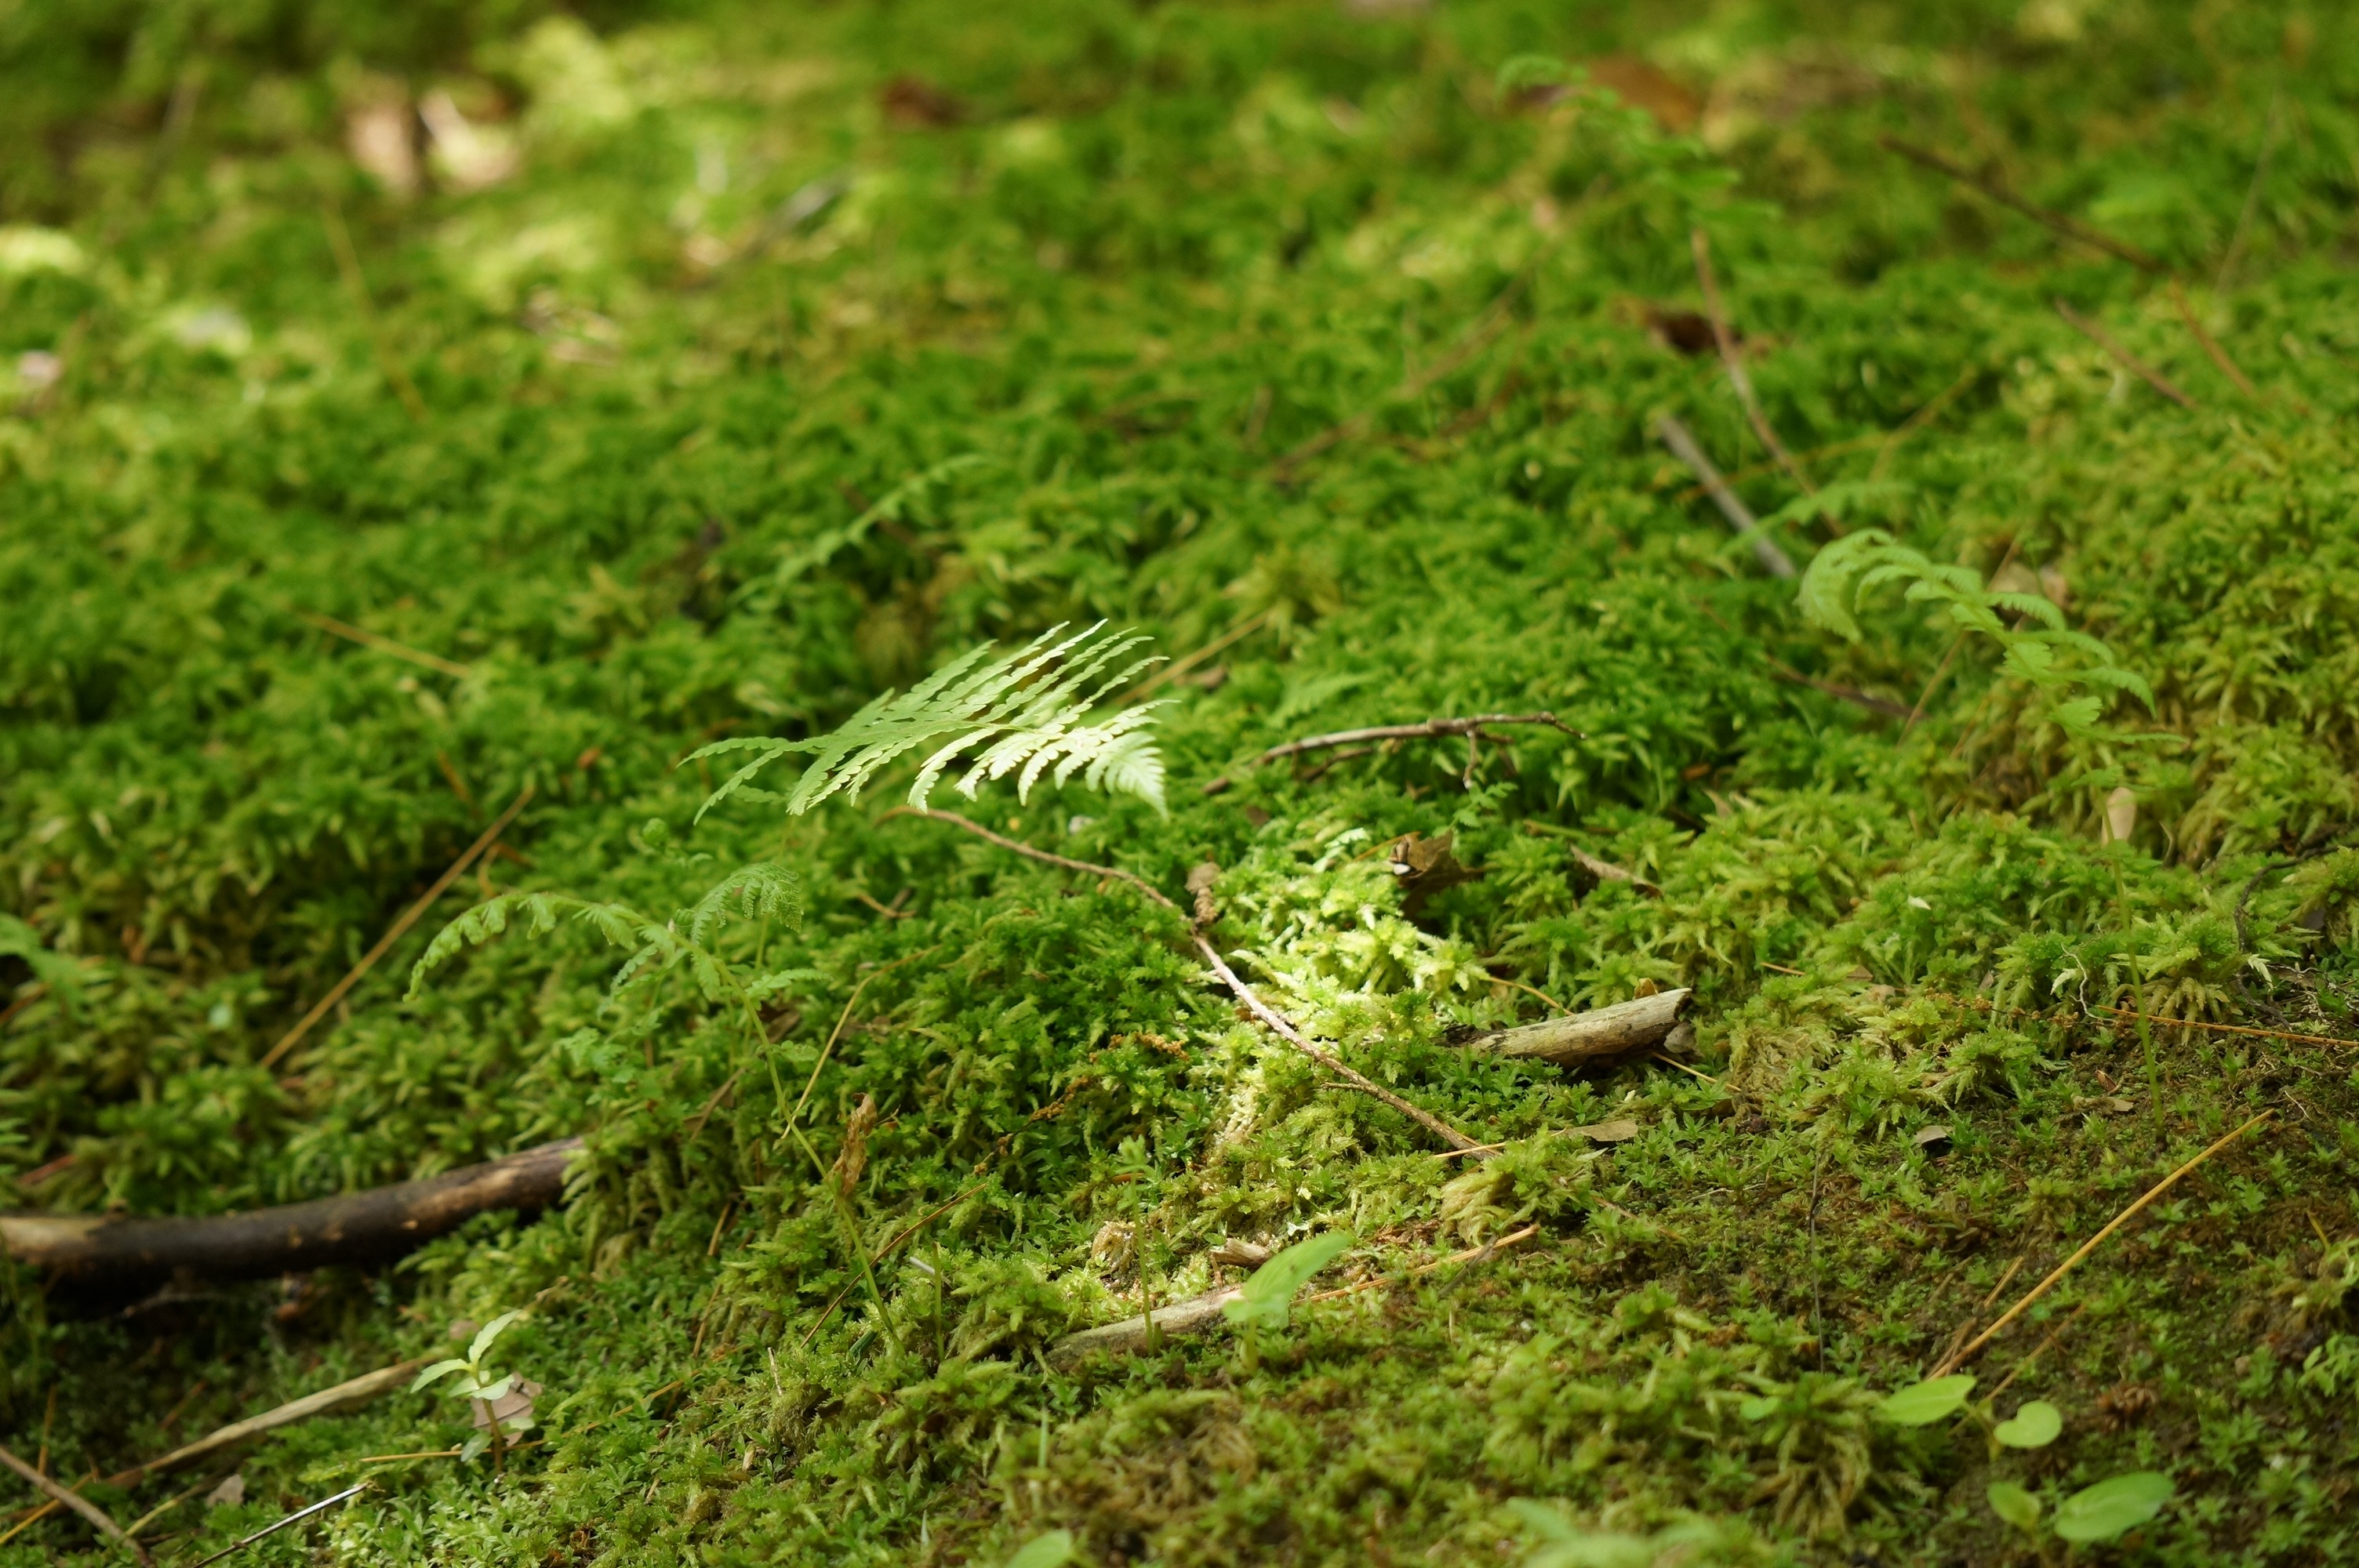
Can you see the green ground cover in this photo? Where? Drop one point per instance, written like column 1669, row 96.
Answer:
column 668, row 375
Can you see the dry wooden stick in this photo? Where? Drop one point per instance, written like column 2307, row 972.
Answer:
column 2072, row 228
column 2122, row 1012
column 1674, row 435
column 1516, row 1238
column 2037, row 1352
column 1952, row 1362
column 2122, row 356
column 296, row 1518
column 348, row 262
column 2219, row 355
column 410, row 917
column 1469, row 728
column 1471, row 343
column 1733, row 359
column 94, row 1253
column 368, row 639
column 1245, row 993
column 1919, row 420
column 96, row 1516
column 1171, row 671
column 1288, row 1032
column 1017, row 847
column 1602, row 1032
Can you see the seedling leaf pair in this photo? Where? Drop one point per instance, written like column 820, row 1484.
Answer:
column 1268, row 1297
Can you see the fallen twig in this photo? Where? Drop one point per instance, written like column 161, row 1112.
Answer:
column 410, row 917
column 1017, row 847
column 1470, row 727
column 1245, row 993
column 98, row 1517
column 296, row 1518
column 2037, row 1352
column 1199, row 1313
column 1486, row 1249
column 2072, row 228
column 92, row 1252
column 2128, row 1015
column 1674, row 435
column 1956, row 1358
column 1180, row 665
column 350, row 1394
column 1587, row 1036
column 1732, row 358
column 2122, row 356
column 2210, row 345
column 368, row 639
column 1288, row 1032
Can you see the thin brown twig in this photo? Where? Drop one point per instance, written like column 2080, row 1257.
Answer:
column 1245, row 993
column 837, row 1032
column 2037, row 1352
column 1956, row 1358
column 1514, row 1238
column 2072, row 228
column 410, row 917
column 2126, row 1014
column 1919, row 420
column 1433, row 728
column 1528, row 990
column 1017, row 847
column 1172, row 671
column 1472, row 341
column 368, row 639
column 1683, row 446
column 887, row 1252
column 2122, row 356
column 296, row 1518
column 98, row 1517
column 1287, row 1032
column 348, row 262
column 2210, row 345
column 2236, row 251
column 1732, row 358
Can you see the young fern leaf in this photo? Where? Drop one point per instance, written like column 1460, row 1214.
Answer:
column 764, row 888
column 1026, row 713
column 1847, row 570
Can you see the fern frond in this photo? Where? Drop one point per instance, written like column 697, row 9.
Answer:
column 1026, row 713
column 765, row 890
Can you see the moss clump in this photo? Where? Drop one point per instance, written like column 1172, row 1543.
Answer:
column 392, row 416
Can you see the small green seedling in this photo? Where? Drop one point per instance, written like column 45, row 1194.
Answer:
column 1050, row 1551
column 2014, row 1505
column 499, row 1426
column 2035, row 1425
column 1268, row 1298
column 2110, row 1508
column 1922, row 1404
column 2112, row 1505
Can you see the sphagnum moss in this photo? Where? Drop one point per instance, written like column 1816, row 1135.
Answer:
column 702, row 375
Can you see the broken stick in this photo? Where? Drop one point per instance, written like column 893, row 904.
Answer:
column 1675, row 436
column 1591, row 1037
column 89, row 1252
column 97, row 1516
column 1470, row 727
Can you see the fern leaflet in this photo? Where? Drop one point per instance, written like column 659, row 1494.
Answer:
column 1026, row 713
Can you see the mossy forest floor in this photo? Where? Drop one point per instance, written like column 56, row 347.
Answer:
column 399, row 410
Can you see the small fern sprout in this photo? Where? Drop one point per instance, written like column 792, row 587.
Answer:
column 2074, row 670
column 1027, row 713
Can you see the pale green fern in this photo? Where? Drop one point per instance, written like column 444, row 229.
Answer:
column 2039, row 649
column 1026, row 713
column 682, row 944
